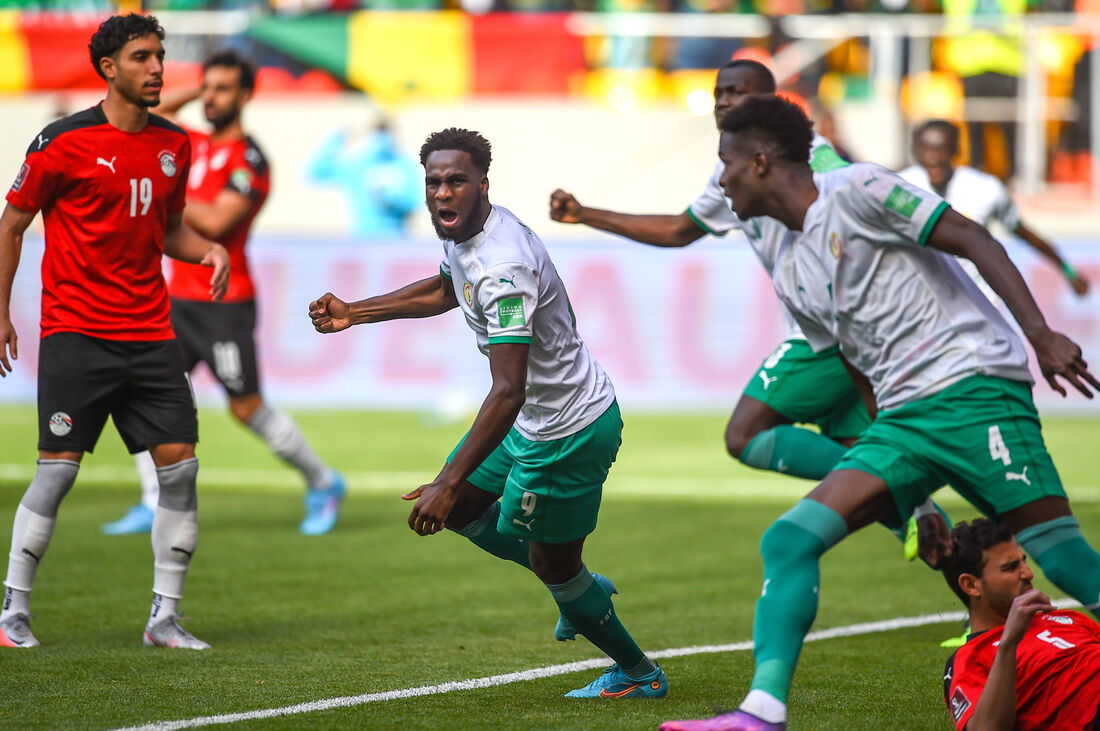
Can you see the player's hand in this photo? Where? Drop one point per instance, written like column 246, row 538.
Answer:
column 1023, row 609
column 330, row 314
column 433, row 504
column 218, row 258
column 9, row 341
column 933, row 540
column 1060, row 356
column 1080, row 285
column 564, row 207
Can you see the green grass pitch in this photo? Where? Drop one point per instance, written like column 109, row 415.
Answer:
column 373, row 607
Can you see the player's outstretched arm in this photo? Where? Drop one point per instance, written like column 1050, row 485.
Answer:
column 218, row 217
column 13, row 223
column 426, row 298
column 170, row 104
column 1079, row 283
column 508, row 365
column 658, row 230
column 183, row 243
column 1057, row 355
column 996, row 709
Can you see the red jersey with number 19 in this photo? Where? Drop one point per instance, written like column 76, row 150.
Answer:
column 105, row 196
column 1057, row 673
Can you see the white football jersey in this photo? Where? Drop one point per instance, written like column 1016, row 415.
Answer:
column 980, row 197
column 858, row 276
column 713, row 212
column 510, row 292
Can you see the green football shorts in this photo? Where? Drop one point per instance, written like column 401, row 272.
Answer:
column 805, row 386
column 981, row 435
column 550, row 491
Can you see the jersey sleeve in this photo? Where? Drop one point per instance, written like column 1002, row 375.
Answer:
column 38, row 180
column 711, row 209
column 248, row 174
column 964, row 679
column 1004, row 209
column 178, row 199
column 508, row 295
column 884, row 203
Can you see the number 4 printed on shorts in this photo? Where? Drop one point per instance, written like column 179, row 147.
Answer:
column 997, row 448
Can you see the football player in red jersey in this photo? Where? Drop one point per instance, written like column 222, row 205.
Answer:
column 228, row 184
column 1026, row 664
column 110, row 184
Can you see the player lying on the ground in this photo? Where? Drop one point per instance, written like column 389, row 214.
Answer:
column 525, row 482
column 794, row 384
column 1026, row 664
column 110, row 184
column 978, row 196
column 864, row 264
column 228, row 185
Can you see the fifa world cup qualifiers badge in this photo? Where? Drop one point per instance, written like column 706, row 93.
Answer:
column 168, row 163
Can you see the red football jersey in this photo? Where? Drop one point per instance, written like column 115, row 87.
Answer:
column 1057, row 673
column 105, row 197
column 236, row 165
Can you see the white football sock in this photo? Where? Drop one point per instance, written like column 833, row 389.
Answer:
column 284, row 438
column 765, row 706
column 147, row 473
column 175, row 527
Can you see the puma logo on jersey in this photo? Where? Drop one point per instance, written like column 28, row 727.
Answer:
column 768, row 380
column 106, row 164
column 781, row 466
column 1020, row 476
column 870, row 180
column 527, row 524
column 42, row 141
column 509, row 281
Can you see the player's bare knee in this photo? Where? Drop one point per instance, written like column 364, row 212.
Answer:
column 169, row 454
column 738, row 436
column 244, row 407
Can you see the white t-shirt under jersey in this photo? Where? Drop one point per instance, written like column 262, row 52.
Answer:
column 510, row 292
column 858, row 276
column 713, row 212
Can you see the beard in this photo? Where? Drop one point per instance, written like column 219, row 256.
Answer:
column 223, row 120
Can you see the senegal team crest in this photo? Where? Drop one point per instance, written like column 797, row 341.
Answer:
column 468, row 294
column 167, row 163
column 835, row 247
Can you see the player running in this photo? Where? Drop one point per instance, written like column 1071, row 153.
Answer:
column 978, row 196
column 862, row 265
column 1026, row 664
column 228, row 185
column 525, row 482
column 110, row 184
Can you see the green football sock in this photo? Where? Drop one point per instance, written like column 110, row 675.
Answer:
column 793, row 451
column 483, row 533
column 584, row 603
column 791, row 548
column 1066, row 559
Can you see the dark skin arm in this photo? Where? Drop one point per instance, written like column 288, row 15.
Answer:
column 508, row 366
column 1057, row 355
column 1080, row 284
column 426, row 298
column 996, row 709
column 658, row 230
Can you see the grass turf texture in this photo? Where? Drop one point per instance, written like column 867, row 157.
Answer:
column 373, row 607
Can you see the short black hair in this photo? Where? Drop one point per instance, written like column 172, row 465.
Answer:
column 776, row 120
column 969, row 542
column 116, row 32
column 941, row 125
column 231, row 59
column 463, row 140
column 763, row 74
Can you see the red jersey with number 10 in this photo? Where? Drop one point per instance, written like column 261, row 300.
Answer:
column 237, row 166
column 105, row 196
column 1057, row 673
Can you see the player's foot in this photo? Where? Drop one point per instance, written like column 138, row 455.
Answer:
column 168, row 633
column 614, row 683
column 138, row 520
column 961, row 639
column 15, row 631
column 736, row 721
column 322, row 506
column 564, row 629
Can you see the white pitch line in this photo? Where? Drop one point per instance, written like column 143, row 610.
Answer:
column 538, row 673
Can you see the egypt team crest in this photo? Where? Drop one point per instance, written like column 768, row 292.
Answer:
column 61, row 424
column 835, row 247
column 167, row 163
column 468, row 294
